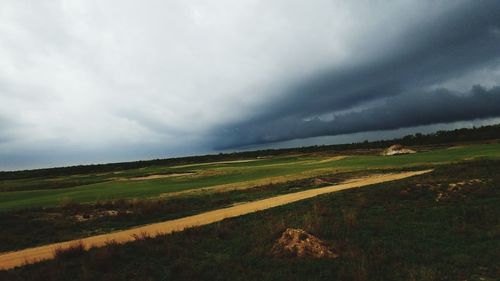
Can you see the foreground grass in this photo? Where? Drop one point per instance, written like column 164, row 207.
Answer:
column 39, row 226
column 214, row 174
column 440, row 226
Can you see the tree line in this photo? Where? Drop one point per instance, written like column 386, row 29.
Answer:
column 491, row 132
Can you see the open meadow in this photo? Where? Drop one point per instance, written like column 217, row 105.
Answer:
column 162, row 181
column 397, row 215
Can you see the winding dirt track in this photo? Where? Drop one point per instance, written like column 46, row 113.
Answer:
column 13, row 259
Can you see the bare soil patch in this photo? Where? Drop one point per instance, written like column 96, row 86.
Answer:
column 219, row 162
column 331, row 159
column 397, row 149
column 158, row 176
column 89, row 216
column 300, row 244
column 251, row 183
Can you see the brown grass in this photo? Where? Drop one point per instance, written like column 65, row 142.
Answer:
column 75, row 249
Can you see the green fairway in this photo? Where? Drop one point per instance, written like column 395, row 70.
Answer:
column 27, row 193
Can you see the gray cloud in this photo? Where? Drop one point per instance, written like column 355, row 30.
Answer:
column 88, row 80
column 445, row 48
column 408, row 110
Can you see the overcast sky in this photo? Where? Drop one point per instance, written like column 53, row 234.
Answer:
column 85, row 81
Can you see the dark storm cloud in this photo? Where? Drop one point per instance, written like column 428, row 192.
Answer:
column 408, row 110
column 426, row 55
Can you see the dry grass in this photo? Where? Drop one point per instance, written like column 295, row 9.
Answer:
column 252, row 183
column 74, row 249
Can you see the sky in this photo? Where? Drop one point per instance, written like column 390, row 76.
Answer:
column 87, row 81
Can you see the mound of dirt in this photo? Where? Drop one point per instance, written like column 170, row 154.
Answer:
column 99, row 214
column 298, row 243
column 319, row 181
column 396, row 150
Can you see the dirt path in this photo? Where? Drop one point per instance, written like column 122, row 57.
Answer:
column 331, row 159
column 157, row 176
column 31, row 255
column 251, row 183
column 219, row 162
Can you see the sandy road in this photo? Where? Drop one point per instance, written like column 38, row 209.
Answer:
column 18, row 258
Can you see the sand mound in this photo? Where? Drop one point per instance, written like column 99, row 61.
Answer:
column 298, row 243
column 397, row 149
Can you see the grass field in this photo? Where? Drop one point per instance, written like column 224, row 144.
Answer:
column 421, row 228
column 416, row 229
column 38, row 226
column 89, row 188
column 38, row 214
